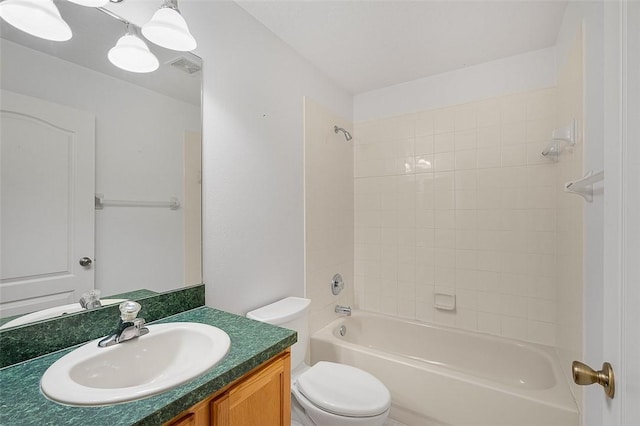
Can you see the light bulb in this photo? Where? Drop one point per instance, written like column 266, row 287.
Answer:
column 40, row 18
column 132, row 54
column 167, row 28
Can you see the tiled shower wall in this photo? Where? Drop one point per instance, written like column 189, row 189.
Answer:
column 459, row 201
column 328, row 212
column 569, row 239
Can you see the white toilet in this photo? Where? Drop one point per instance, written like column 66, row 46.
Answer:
column 326, row 394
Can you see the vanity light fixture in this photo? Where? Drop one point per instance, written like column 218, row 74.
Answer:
column 132, row 54
column 40, row 18
column 90, row 3
column 167, row 28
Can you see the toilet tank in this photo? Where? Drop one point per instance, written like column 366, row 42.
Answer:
column 291, row 313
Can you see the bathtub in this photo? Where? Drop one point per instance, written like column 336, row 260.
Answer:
column 443, row 376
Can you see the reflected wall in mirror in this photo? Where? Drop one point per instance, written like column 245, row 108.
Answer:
column 74, row 125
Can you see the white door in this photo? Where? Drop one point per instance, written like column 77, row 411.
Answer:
column 614, row 321
column 627, row 412
column 46, row 203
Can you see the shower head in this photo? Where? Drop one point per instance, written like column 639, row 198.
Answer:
column 347, row 135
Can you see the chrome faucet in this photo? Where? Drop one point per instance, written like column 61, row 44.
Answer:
column 129, row 326
column 91, row 300
column 344, row 310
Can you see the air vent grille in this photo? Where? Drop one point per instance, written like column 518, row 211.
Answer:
column 185, row 65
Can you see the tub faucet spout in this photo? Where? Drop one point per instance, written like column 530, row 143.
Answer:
column 344, row 310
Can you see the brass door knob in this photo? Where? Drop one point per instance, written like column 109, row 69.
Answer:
column 585, row 375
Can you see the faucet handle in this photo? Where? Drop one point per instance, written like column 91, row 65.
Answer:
column 90, row 299
column 129, row 310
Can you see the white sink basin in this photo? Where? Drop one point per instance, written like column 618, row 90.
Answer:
column 56, row 311
column 170, row 355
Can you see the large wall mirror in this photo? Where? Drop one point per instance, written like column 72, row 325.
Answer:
column 100, row 168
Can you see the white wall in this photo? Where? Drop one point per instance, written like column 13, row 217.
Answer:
column 253, row 156
column 528, row 71
column 139, row 144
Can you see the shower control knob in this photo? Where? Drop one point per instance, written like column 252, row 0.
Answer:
column 85, row 262
column 337, row 284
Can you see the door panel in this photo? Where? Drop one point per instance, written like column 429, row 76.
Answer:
column 46, row 203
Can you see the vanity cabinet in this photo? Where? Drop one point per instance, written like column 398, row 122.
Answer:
column 262, row 397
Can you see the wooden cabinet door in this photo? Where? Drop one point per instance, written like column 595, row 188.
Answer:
column 262, row 399
column 198, row 415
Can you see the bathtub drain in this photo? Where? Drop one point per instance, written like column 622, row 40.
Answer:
column 343, row 330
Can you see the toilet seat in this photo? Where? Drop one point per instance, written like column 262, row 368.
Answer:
column 343, row 390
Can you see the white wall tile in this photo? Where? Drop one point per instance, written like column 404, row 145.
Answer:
column 444, row 219
column 461, row 201
column 444, row 238
column 541, row 104
column 490, row 157
column 466, row 279
column 489, row 323
column 541, row 332
column 444, row 120
column 465, row 140
column 466, row 199
column 423, row 163
column 541, row 310
column 489, row 281
column 512, row 108
column 424, row 182
column 466, row 239
column 465, row 117
column 445, row 259
column 444, row 142
column 424, row 144
column 424, row 124
column 488, row 136
column 466, row 259
column 513, row 133
column 488, row 113
column 514, row 155
column 539, row 130
column 425, row 237
column 466, row 160
column 466, row 319
column 514, row 328
column 425, row 218
column 466, row 219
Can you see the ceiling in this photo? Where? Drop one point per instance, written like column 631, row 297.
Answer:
column 364, row 45
column 368, row 44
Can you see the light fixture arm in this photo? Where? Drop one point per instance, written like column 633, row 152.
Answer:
column 171, row 4
column 113, row 15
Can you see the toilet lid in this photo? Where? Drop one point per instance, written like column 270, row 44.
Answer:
column 344, row 390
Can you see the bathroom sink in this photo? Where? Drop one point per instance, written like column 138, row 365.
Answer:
column 56, row 311
column 170, row 355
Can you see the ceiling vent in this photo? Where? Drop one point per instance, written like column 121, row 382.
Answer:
column 185, row 65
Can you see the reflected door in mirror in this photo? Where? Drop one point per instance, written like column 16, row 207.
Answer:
column 46, row 201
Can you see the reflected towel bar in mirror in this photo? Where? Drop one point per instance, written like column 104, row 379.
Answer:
column 101, row 202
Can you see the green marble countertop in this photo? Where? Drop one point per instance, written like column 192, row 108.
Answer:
column 252, row 343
